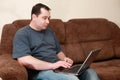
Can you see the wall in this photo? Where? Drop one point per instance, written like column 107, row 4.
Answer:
column 11, row 10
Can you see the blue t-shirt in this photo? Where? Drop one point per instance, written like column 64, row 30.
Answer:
column 42, row 45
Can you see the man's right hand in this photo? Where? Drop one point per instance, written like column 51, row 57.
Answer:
column 63, row 64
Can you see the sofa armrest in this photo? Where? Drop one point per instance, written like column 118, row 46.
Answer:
column 10, row 69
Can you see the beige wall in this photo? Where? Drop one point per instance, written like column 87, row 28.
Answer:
column 11, row 10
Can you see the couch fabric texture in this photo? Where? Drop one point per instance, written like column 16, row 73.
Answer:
column 77, row 38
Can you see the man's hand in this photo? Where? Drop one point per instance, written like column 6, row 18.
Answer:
column 63, row 64
column 66, row 59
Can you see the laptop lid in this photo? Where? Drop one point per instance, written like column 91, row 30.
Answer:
column 89, row 59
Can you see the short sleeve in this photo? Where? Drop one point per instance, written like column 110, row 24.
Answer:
column 21, row 45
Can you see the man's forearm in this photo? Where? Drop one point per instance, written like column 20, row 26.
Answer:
column 61, row 55
column 34, row 63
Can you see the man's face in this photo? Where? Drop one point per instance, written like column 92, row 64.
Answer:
column 42, row 20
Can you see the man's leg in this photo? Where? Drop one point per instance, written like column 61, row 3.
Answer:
column 89, row 74
column 51, row 75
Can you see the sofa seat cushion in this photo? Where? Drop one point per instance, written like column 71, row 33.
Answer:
column 108, row 70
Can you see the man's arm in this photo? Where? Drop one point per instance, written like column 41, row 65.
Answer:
column 63, row 57
column 36, row 64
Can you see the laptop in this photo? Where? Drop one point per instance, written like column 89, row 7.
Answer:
column 79, row 69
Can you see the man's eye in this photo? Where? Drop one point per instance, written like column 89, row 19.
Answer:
column 44, row 18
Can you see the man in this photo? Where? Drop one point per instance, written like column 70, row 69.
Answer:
column 36, row 47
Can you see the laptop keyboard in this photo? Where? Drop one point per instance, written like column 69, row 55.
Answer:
column 73, row 69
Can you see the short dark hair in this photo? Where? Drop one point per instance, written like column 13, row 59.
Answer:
column 36, row 9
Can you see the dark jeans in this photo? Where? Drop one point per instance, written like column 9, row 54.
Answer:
column 89, row 74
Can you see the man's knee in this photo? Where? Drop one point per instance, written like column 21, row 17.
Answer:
column 89, row 74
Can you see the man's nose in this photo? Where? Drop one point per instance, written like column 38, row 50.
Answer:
column 47, row 21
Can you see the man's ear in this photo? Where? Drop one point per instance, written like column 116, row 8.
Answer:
column 33, row 16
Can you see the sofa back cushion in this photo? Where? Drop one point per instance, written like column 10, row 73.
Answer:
column 87, row 30
column 55, row 24
column 9, row 31
column 89, row 34
column 7, row 37
column 115, row 38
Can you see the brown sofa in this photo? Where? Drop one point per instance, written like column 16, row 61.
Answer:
column 77, row 37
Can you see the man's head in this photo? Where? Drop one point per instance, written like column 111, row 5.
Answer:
column 40, row 16
column 37, row 9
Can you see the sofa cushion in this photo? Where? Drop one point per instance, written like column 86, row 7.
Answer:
column 88, row 30
column 108, row 70
column 7, row 38
column 117, row 52
column 56, row 24
column 75, row 52
column 107, row 51
column 21, row 23
column 91, row 34
column 115, row 38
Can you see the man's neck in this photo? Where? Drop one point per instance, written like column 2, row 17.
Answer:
column 33, row 26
